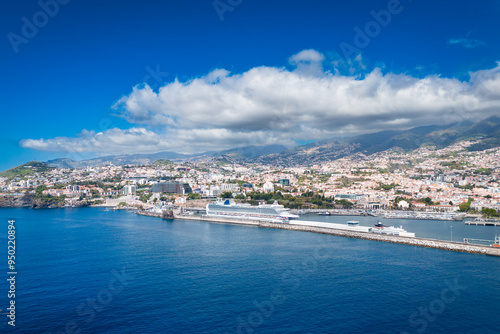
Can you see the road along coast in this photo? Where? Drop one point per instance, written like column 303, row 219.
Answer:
column 346, row 232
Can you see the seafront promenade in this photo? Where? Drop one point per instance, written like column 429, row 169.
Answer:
column 350, row 232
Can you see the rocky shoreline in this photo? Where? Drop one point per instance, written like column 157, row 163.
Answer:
column 31, row 201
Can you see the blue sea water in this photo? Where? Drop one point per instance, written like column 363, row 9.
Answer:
column 95, row 271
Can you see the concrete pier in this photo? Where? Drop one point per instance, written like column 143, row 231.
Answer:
column 349, row 232
column 484, row 223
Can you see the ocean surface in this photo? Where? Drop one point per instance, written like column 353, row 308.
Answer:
column 90, row 270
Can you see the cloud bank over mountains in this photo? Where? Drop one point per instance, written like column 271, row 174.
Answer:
column 269, row 105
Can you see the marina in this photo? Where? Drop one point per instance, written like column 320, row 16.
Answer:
column 417, row 231
column 356, row 231
column 395, row 214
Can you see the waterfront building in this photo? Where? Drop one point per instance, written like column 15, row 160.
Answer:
column 403, row 205
column 373, row 203
column 172, row 187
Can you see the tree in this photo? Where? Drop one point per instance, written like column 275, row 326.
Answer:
column 40, row 189
column 345, row 203
column 95, row 193
column 194, row 196
column 226, row 194
column 464, row 207
column 489, row 212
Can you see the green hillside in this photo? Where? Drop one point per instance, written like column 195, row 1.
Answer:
column 26, row 169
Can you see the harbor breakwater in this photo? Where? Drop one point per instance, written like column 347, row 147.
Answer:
column 420, row 242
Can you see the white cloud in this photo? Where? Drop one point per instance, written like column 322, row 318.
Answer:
column 308, row 62
column 466, row 42
column 268, row 105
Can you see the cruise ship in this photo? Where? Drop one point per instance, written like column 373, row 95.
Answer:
column 228, row 208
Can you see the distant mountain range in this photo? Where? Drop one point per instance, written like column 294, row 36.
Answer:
column 487, row 130
column 240, row 153
column 440, row 136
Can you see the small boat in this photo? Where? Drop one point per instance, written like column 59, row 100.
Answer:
column 353, row 223
column 280, row 220
column 391, row 230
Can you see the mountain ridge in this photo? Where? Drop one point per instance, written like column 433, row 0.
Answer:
column 487, row 130
column 440, row 136
column 247, row 152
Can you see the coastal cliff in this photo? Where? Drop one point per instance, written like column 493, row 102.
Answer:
column 16, row 201
column 31, row 201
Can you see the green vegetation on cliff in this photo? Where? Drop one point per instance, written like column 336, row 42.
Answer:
column 42, row 200
column 26, row 169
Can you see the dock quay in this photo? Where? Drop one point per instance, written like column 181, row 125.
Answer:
column 423, row 215
column 166, row 214
column 331, row 212
column 351, row 232
column 149, row 214
column 483, row 222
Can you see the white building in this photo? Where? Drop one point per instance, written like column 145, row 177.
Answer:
column 229, row 187
column 403, row 205
column 268, row 187
column 129, row 190
column 180, row 200
column 73, row 188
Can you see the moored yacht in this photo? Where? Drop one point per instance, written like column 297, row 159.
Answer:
column 391, row 230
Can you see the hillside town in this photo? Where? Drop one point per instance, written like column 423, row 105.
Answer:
column 452, row 179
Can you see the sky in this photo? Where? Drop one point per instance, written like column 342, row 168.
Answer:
column 82, row 79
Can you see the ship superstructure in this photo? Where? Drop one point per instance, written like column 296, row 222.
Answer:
column 228, row 208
